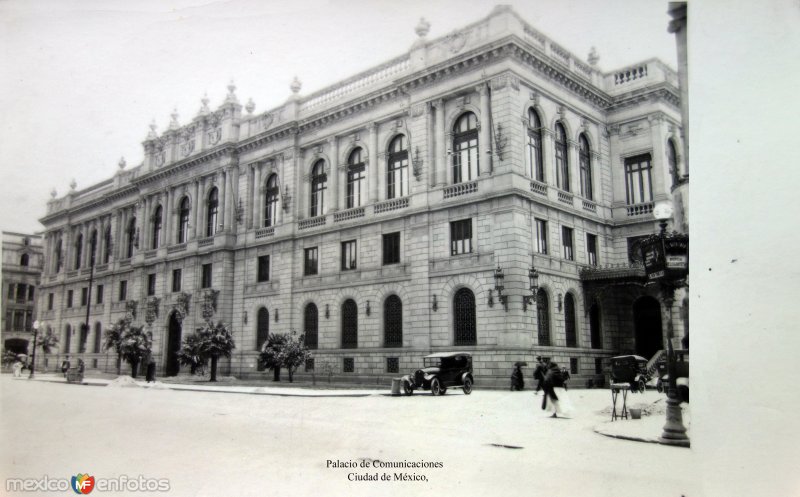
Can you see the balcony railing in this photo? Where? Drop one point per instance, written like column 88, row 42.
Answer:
column 630, row 74
column 640, row 209
column 204, row 242
column 176, row 248
column 391, row 205
column 150, row 254
column 460, row 189
column 588, row 205
column 540, row 188
column 125, row 262
column 348, row 214
column 312, row 222
column 265, row 232
column 565, row 197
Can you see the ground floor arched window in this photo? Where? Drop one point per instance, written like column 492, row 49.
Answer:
column 262, row 327
column 311, row 326
column 464, row 327
column 543, row 317
column 393, row 322
column 349, row 324
column 569, row 321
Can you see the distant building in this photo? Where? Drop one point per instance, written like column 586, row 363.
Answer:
column 396, row 213
column 22, row 267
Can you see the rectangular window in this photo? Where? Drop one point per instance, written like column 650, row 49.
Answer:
column 263, row 268
column 309, row 365
column 392, row 364
column 566, row 241
column 69, row 298
column 50, row 298
column 591, row 249
column 30, row 293
column 151, row 284
column 638, row 185
column 598, row 365
column 573, row 365
column 310, row 261
column 11, row 291
column 19, row 320
column 28, row 320
column 100, row 294
column 9, row 318
column 349, row 255
column 391, row 248
column 123, row 291
column 461, row 237
column 21, row 290
column 206, row 279
column 349, row 365
column 84, row 296
column 176, row 280
column 541, row 236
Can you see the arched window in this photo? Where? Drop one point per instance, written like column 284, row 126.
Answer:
column 67, row 339
column 271, row 201
column 355, row 178
column 534, row 147
column 183, row 220
column 397, row 175
column 319, row 182
column 562, row 163
column 543, row 317
column 59, row 256
column 349, row 324
column 672, row 158
column 464, row 326
column 311, row 326
column 98, row 337
column 78, row 251
column 393, row 322
column 23, row 261
column 212, row 212
column 156, row 223
column 131, row 241
column 465, row 148
column 569, row 321
column 107, row 244
column 84, row 338
column 262, row 327
column 594, row 326
column 585, row 159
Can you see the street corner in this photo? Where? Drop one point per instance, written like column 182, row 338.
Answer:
column 647, row 426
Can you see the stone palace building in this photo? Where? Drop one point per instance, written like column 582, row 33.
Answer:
column 22, row 268
column 481, row 192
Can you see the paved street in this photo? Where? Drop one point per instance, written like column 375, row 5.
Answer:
column 212, row 444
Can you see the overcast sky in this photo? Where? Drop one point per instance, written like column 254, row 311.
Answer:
column 82, row 80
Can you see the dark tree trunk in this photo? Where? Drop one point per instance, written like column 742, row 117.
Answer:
column 134, row 368
column 276, row 374
column 119, row 364
column 291, row 375
column 193, row 366
column 213, row 368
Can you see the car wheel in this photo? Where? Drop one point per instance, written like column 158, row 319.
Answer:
column 642, row 386
column 659, row 387
column 467, row 386
column 436, row 387
column 407, row 388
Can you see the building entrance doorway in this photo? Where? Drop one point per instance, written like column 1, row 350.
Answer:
column 647, row 326
column 173, row 346
column 16, row 345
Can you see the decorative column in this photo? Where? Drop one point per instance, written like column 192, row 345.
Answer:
column 334, row 177
column 169, row 207
column 441, row 146
column 201, row 208
column 431, row 151
column 257, row 189
column 236, row 199
column 549, row 156
column 223, row 198
column 372, row 171
column 196, row 204
column 573, row 166
column 485, row 132
column 301, row 177
column 660, row 174
column 122, row 225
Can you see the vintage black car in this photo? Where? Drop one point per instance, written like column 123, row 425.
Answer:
column 440, row 371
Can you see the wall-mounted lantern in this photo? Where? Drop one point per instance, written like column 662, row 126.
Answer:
column 533, row 280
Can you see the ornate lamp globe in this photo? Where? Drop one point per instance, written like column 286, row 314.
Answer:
column 663, row 210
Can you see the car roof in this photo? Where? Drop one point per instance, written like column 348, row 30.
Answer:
column 637, row 357
column 449, row 354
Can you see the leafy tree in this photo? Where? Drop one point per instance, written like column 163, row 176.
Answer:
column 9, row 357
column 131, row 343
column 284, row 350
column 191, row 353
column 48, row 341
column 215, row 341
column 272, row 354
column 295, row 353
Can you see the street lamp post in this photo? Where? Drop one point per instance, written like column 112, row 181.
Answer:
column 665, row 259
column 33, row 356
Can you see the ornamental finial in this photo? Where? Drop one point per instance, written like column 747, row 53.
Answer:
column 296, row 85
column 53, row 193
column 422, row 28
column 121, row 163
column 231, row 98
column 152, row 134
column 73, row 184
column 250, row 107
column 594, row 57
column 204, row 109
column 173, row 124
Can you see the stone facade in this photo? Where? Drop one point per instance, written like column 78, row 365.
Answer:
column 22, row 268
column 310, row 176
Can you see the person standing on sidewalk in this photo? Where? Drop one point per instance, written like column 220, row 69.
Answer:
column 65, row 366
column 538, row 374
column 555, row 395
